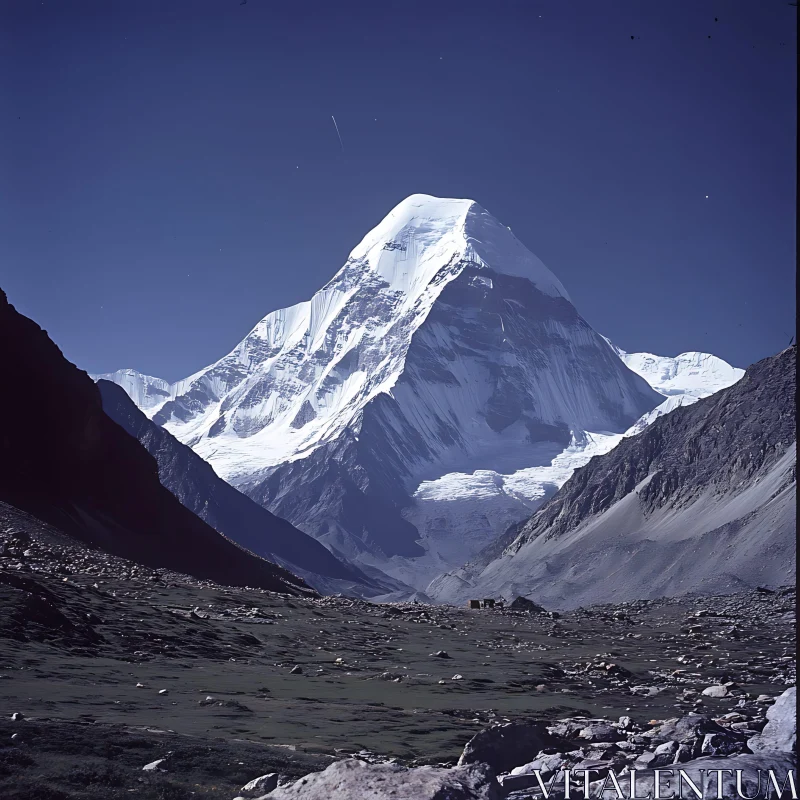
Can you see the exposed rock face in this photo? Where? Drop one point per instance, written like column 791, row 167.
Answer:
column 721, row 443
column 347, row 780
column 780, row 733
column 703, row 499
column 194, row 482
column 63, row 460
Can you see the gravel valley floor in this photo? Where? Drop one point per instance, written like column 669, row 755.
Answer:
column 109, row 666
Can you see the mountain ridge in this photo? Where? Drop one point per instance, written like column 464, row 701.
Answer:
column 193, row 481
column 67, row 463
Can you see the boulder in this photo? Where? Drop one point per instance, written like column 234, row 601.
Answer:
column 523, row 604
column 258, row 787
column 692, row 730
column 598, row 731
column 721, row 744
column 346, row 780
column 780, row 732
column 545, row 763
column 506, row 746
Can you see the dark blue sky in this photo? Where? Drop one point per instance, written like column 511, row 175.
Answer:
column 171, row 174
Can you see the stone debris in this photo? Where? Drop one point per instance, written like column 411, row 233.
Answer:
column 523, row 604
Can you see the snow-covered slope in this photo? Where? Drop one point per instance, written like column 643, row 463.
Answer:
column 193, row 482
column 147, row 392
column 693, row 374
column 484, row 505
column 303, row 374
column 441, row 348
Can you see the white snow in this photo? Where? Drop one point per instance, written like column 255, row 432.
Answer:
column 147, row 392
column 459, row 513
column 684, row 379
column 306, row 357
column 694, row 374
column 670, row 404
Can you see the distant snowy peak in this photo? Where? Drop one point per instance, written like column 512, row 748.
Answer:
column 683, row 380
column 147, row 392
column 695, row 374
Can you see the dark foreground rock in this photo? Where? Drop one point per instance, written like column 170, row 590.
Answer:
column 524, row 604
column 503, row 747
column 348, row 780
column 66, row 463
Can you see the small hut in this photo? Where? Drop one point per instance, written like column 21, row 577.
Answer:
column 474, row 604
column 488, row 602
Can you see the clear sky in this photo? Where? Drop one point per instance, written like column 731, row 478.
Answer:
column 170, row 172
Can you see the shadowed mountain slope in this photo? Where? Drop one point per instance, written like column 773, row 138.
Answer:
column 194, row 482
column 63, row 460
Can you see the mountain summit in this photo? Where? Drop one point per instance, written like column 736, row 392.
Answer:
column 442, row 347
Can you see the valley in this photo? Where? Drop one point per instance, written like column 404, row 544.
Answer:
column 235, row 682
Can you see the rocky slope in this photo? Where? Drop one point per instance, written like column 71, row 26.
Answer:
column 63, row 460
column 704, row 497
column 194, row 482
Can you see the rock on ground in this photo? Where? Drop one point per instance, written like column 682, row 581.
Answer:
column 504, row 747
column 258, row 787
column 346, row 780
column 780, row 733
column 524, row 604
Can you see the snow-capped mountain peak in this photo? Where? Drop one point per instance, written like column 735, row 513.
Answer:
column 305, row 373
column 442, row 354
column 683, row 380
column 408, row 246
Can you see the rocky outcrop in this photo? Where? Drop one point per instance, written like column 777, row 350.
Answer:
column 719, row 443
column 580, row 756
column 714, row 777
column 503, row 747
column 524, row 604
